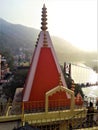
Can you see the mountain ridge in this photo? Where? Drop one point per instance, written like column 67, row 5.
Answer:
column 15, row 36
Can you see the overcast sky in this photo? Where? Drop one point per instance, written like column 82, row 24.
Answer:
column 73, row 20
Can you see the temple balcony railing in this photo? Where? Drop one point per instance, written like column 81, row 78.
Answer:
column 45, row 112
column 77, row 117
column 59, row 109
column 53, row 116
column 16, row 111
column 90, row 121
column 18, row 108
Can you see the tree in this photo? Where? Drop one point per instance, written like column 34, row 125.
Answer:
column 17, row 81
column 78, row 89
column 69, row 82
column 10, row 60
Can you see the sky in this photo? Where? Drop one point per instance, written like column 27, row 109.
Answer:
column 73, row 20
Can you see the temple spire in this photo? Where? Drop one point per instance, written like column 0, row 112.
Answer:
column 44, row 19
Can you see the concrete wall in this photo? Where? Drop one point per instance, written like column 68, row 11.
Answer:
column 9, row 125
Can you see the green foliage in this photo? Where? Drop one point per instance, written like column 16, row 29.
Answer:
column 69, row 81
column 78, row 90
column 8, row 55
column 17, row 82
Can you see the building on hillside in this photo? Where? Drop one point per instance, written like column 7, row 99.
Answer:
column 4, row 69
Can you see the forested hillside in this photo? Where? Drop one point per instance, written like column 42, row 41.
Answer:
column 14, row 37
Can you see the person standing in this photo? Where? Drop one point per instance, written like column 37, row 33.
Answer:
column 1, row 108
column 90, row 114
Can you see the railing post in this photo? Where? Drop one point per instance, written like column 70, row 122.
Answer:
column 23, row 113
column 72, row 102
column 46, row 103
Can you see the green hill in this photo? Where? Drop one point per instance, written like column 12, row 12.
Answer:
column 15, row 36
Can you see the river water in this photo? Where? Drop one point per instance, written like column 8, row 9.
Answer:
column 91, row 93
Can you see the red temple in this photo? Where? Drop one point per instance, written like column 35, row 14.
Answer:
column 45, row 72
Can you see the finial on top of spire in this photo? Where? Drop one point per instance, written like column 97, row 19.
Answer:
column 45, row 41
column 44, row 19
column 44, row 5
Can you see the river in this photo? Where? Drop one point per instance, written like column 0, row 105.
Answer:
column 91, row 93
